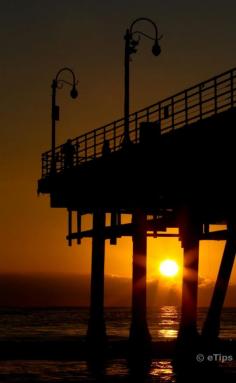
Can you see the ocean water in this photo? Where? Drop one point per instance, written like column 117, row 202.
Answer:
column 80, row 371
column 55, row 323
column 61, row 323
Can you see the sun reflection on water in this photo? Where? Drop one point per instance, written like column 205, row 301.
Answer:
column 168, row 333
column 169, row 311
column 163, row 370
column 168, row 322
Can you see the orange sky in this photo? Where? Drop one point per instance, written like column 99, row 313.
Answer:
column 37, row 39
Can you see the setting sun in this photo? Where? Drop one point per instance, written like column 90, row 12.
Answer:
column 169, row 268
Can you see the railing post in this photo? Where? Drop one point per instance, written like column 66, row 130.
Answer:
column 114, row 136
column 200, row 100
column 215, row 95
column 232, row 88
column 61, row 160
column 136, row 127
column 77, row 153
column 186, row 107
column 159, row 112
column 172, row 113
column 44, row 166
column 85, row 147
column 49, row 163
column 95, row 143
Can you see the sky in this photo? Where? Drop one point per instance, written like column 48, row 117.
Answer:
column 38, row 38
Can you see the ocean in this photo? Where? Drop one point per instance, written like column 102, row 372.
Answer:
column 71, row 323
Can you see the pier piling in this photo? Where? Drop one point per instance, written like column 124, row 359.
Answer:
column 139, row 332
column 96, row 333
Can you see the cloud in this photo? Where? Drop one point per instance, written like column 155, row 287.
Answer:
column 205, row 282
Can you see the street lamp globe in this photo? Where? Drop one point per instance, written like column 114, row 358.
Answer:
column 156, row 49
column 74, row 92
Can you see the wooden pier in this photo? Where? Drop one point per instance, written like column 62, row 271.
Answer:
column 176, row 172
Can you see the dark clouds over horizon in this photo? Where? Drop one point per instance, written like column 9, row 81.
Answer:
column 40, row 290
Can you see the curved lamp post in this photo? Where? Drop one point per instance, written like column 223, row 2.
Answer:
column 130, row 48
column 58, row 82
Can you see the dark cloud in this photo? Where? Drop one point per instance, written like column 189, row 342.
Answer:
column 73, row 290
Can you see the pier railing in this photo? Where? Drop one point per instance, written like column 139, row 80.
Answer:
column 184, row 108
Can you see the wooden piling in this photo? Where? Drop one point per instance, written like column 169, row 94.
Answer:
column 96, row 333
column 139, row 332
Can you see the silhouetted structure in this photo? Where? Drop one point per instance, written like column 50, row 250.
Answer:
column 58, row 82
column 68, row 152
column 178, row 173
column 130, row 48
column 106, row 148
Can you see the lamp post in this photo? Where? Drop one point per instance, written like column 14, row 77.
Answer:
column 130, row 48
column 58, row 82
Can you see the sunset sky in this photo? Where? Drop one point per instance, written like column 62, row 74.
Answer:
column 38, row 38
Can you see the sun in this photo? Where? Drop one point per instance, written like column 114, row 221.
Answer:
column 169, row 268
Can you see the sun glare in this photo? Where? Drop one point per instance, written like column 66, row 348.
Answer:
column 169, row 268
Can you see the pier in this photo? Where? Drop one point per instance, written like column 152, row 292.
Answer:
column 177, row 171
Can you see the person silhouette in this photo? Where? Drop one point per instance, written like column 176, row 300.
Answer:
column 68, row 151
column 106, row 150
